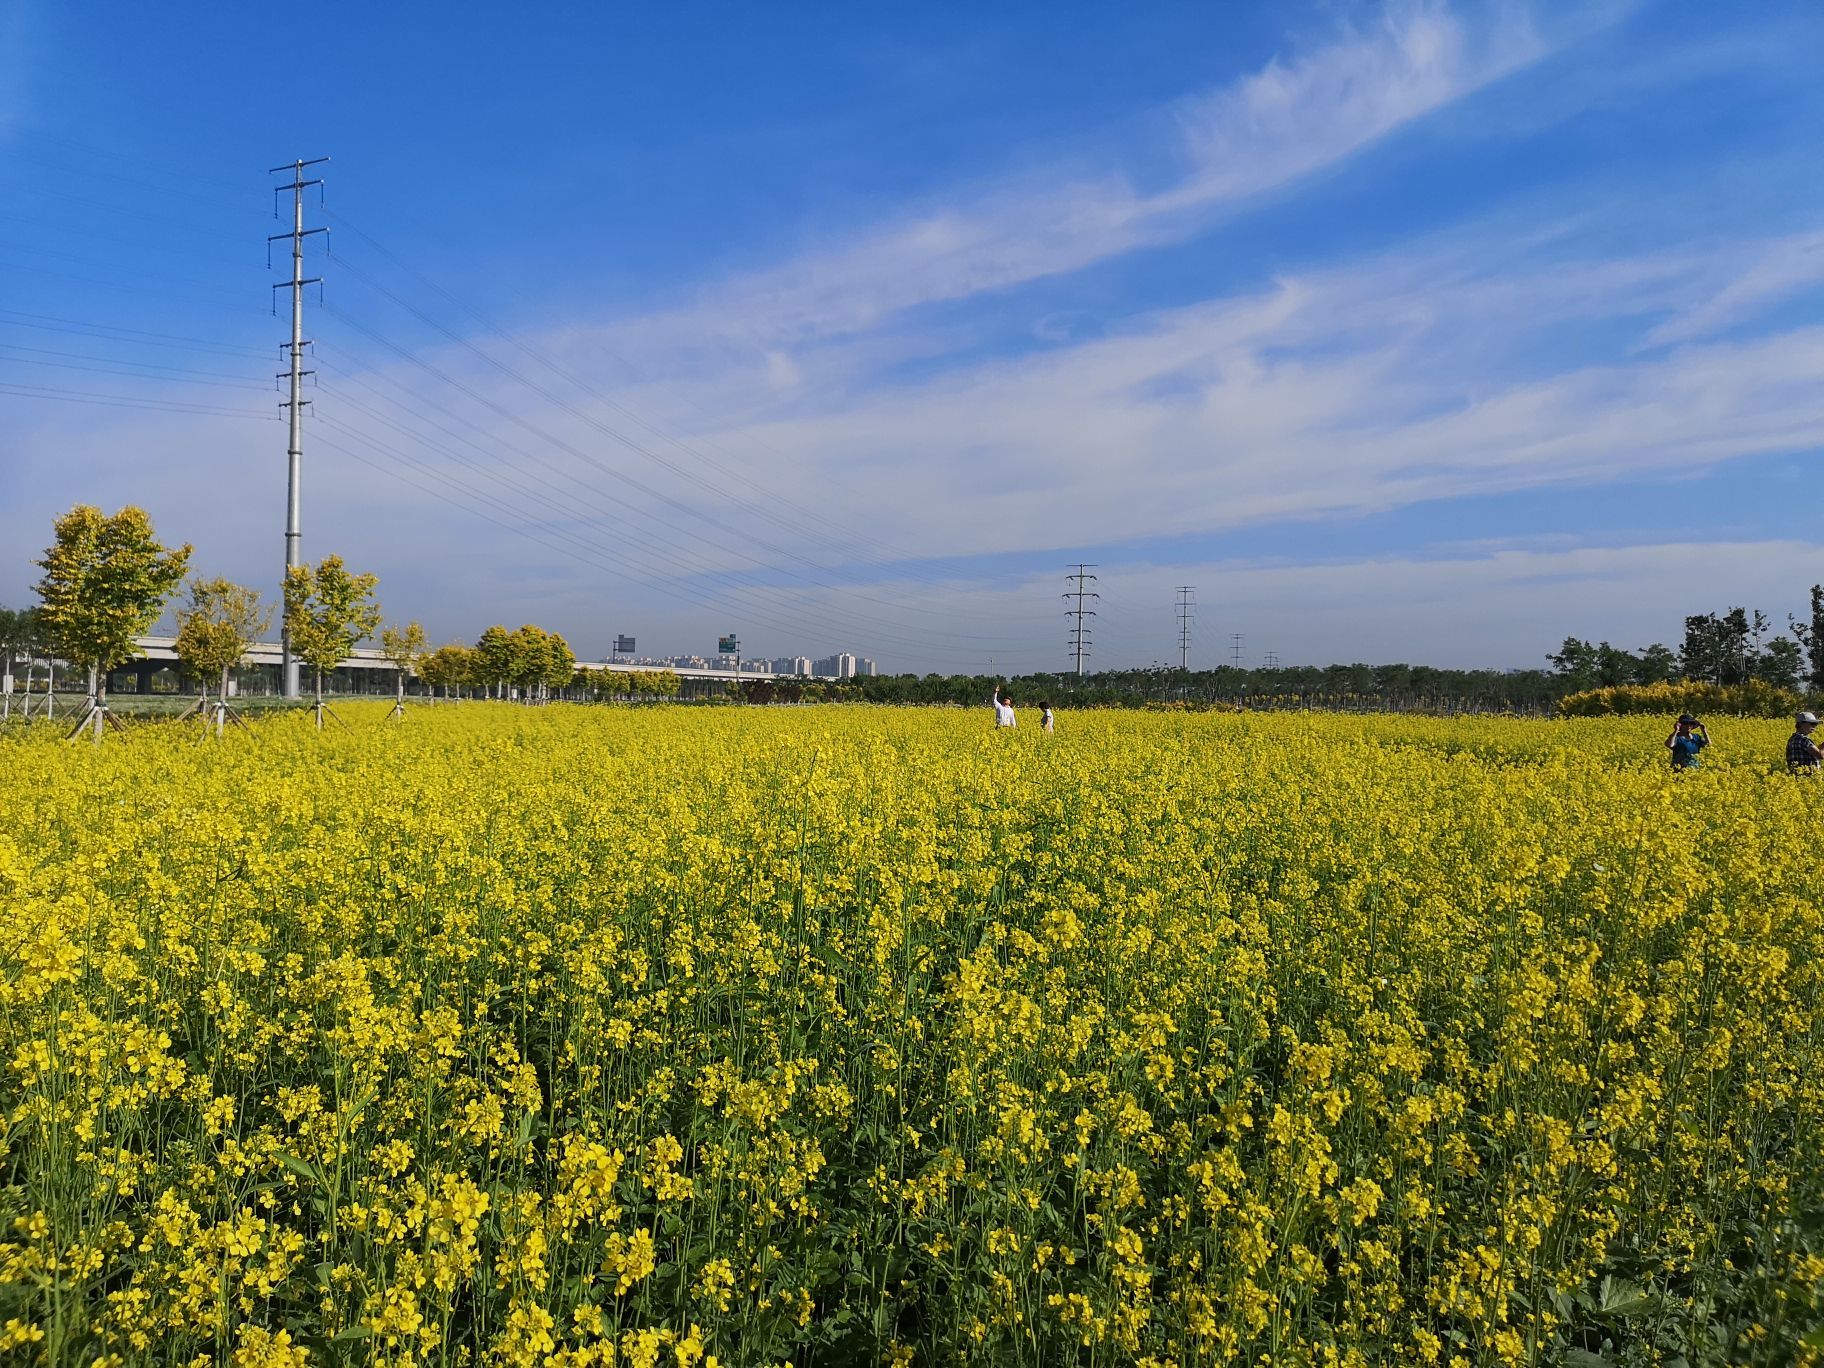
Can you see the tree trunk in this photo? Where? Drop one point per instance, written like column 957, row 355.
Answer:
column 95, row 703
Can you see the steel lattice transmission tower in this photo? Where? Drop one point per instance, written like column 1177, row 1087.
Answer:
column 1235, row 648
column 1079, row 632
column 294, row 450
column 1187, row 612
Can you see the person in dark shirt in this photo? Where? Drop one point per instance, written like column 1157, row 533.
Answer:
column 1687, row 739
column 1803, row 754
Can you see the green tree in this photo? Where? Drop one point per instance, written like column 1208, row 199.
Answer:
column 1575, row 663
column 560, row 663
column 18, row 635
column 528, row 656
column 1657, row 664
column 328, row 612
column 1810, row 636
column 1780, row 663
column 404, row 647
column 654, row 683
column 493, row 659
column 216, row 627
column 105, row 582
column 446, row 668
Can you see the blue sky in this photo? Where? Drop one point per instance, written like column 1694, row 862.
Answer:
column 1403, row 331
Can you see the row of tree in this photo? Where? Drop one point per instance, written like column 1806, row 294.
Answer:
column 530, row 660
column 108, row 579
column 1735, row 647
column 1391, row 687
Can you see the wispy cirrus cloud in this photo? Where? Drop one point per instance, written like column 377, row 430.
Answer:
column 1775, row 272
column 871, row 382
column 1382, row 382
column 1294, row 117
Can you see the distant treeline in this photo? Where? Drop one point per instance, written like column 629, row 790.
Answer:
column 1731, row 661
column 1367, row 687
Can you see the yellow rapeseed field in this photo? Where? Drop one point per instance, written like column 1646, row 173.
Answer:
column 841, row 1035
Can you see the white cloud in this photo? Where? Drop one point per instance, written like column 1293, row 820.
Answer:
column 1357, row 390
column 1776, row 272
column 1298, row 115
column 1266, row 131
column 1451, row 368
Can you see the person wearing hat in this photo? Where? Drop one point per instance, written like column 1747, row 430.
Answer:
column 1804, row 755
column 1687, row 739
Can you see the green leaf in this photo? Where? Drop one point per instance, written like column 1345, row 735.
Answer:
column 1621, row 1298
column 299, row 1167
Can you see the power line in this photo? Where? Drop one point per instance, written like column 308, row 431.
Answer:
column 108, row 332
column 124, row 401
column 601, row 555
column 568, row 503
column 115, row 365
column 726, row 593
column 570, row 377
column 650, row 491
column 727, row 535
column 732, row 537
column 1079, row 632
column 901, row 560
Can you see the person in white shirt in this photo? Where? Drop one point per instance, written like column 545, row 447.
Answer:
column 1045, row 718
column 1003, row 708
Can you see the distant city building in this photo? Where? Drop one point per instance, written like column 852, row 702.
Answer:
column 838, row 666
column 799, row 666
column 867, row 667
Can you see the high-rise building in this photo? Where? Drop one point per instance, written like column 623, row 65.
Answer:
column 799, row 666
column 838, row 666
column 867, row 667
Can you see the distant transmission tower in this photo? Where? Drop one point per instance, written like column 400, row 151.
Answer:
column 1079, row 632
column 1187, row 610
column 1272, row 660
column 1235, row 648
column 294, row 451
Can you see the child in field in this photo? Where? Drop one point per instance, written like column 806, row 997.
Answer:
column 1687, row 739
